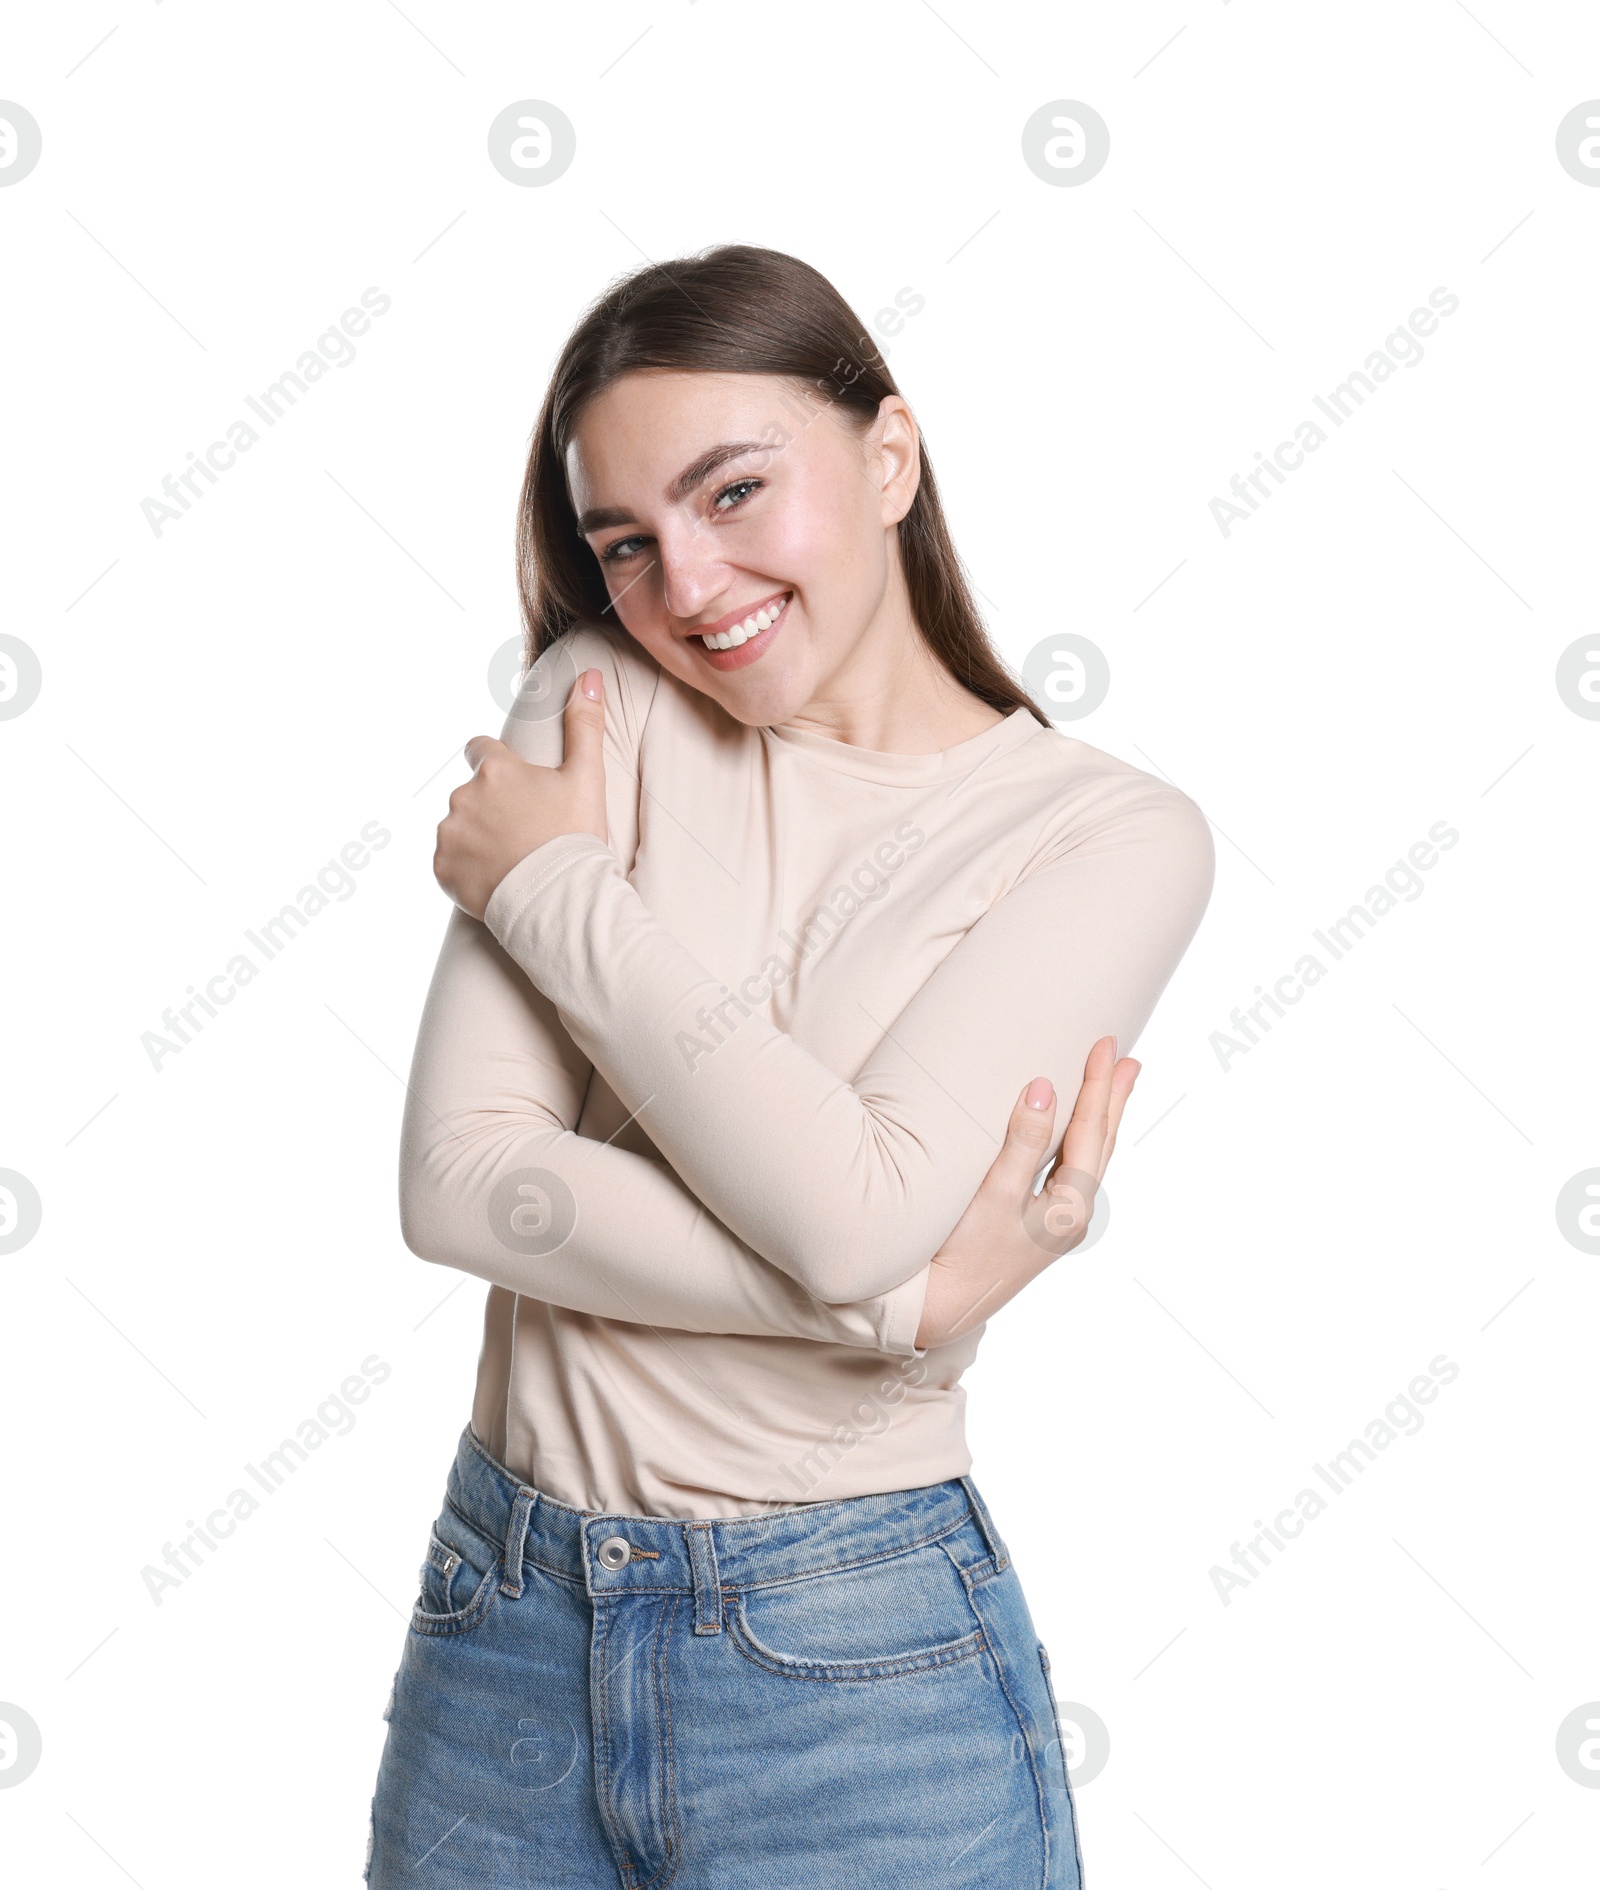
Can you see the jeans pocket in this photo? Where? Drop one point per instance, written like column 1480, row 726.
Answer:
column 458, row 1581
column 903, row 1613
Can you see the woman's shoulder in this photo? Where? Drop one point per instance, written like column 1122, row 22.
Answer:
column 1088, row 797
column 1081, row 779
column 632, row 676
column 593, row 644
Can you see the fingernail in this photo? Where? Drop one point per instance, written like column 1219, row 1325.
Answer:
column 589, row 683
column 1040, row 1093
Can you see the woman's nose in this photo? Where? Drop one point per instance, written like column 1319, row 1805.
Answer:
column 692, row 575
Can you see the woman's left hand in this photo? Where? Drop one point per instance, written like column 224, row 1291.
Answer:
column 1009, row 1235
column 510, row 806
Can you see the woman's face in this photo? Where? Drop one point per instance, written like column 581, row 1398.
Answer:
column 745, row 504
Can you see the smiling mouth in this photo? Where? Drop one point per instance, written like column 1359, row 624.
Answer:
column 749, row 627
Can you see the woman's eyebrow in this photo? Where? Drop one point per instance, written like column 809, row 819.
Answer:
column 694, row 474
column 708, row 462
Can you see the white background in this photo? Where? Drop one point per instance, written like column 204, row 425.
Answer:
column 1294, row 1238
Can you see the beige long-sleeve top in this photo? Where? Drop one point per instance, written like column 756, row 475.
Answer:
column 701, row 1102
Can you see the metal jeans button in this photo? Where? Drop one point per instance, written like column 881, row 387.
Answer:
column 614, row 1552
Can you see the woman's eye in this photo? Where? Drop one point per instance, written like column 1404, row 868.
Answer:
column 735, row 494
column 621, row 549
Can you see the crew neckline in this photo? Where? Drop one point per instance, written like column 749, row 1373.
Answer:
column 876, row 764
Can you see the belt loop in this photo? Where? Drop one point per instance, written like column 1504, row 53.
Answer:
column 707, row 1583
column 991, row 1535
column 516, row 1538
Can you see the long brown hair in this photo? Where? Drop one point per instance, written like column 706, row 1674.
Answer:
column 733, row 309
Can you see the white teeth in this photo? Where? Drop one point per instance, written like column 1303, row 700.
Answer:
column 752, row 626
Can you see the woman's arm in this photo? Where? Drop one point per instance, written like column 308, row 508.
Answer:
column 491, row 1168
column 496, row 1086
column 849, row 1187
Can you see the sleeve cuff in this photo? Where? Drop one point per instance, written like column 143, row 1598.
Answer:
column 902, row 1314
column 536, row 870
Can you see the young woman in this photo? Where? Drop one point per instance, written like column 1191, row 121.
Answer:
column 774, row 890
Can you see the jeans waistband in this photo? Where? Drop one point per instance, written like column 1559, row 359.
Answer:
column 615, row 1554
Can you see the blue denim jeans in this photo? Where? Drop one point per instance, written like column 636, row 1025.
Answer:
column 828, row 1697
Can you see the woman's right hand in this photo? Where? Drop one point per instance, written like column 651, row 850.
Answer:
column 1009, row 1235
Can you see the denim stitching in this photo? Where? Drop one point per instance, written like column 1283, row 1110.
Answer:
column 886, row 1667
column 675, row 1835
column 602, row 1732
column 685, row 1588
column 973, row 1574
column 835, row 1672
column 707, row 1587
column 460, row 1620
column 490, row 1543
column 981, row 1572
column 1055, row 1711
column 440, row 1561
column 1066, row 1776
column 556, row 1574
column 514, row 1549
column 866, row 1561
column 669, row 1821
column 1033, row 1766
column 979, row 1511
column 530, row 1560
column 832, row 1502
column 499, row 1471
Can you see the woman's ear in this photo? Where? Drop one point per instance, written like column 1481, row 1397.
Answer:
column 893, row 446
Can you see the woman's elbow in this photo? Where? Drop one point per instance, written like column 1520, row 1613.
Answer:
column 422, row 1220
column 842, row 1272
